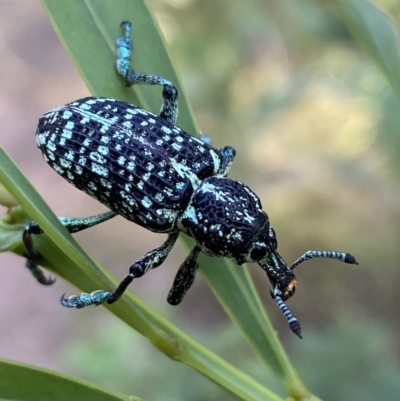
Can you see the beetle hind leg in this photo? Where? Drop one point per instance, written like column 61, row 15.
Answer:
column 149, row 261
column 184, row 278
column 32, row 257
column 72, row 224
column 169, row 108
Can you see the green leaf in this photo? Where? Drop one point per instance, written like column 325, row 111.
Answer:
column 24, row 382
column 6, row 199
column 376, row 34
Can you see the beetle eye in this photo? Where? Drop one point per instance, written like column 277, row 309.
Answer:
column 258, row 252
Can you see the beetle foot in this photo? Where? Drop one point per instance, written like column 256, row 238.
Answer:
column 80, row 301
column 38, row 273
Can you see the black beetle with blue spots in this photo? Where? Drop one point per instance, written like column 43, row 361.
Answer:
column 146, row 169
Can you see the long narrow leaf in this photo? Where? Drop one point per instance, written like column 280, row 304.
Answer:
column 28, row 383
column 374, row 31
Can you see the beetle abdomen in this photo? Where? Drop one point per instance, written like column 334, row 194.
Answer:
column 120, row 155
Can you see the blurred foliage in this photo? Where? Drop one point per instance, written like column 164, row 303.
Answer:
column 316, row 128
column 349, row 369
column 110, row 363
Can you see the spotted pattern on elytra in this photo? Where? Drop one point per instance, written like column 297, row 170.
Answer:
column 121, row 155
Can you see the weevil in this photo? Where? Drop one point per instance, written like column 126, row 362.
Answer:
column 146, row 169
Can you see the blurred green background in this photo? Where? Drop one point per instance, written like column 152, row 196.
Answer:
column 315, row 126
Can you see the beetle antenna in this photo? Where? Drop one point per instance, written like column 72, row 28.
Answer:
column 343, row 257
column 293, row 322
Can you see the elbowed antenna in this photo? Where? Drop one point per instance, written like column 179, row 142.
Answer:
column 293, row 322
column 343, row 257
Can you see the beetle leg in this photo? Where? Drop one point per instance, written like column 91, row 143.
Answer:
column 149, row 261
column 205, row 138
column 228, row 154
column 31, row 259
column 72, row 224
column 184, row 277
column 169, row 108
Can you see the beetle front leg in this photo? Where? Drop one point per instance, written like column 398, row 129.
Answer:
column 169, row 108
column 149, row 261
column 184, row 278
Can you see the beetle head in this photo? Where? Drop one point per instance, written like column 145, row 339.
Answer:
column 281, row 276
column 283, row 281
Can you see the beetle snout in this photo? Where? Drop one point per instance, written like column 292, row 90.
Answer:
column 290, row 289
column 284, row 290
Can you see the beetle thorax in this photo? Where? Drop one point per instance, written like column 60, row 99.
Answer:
column 223, row 216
